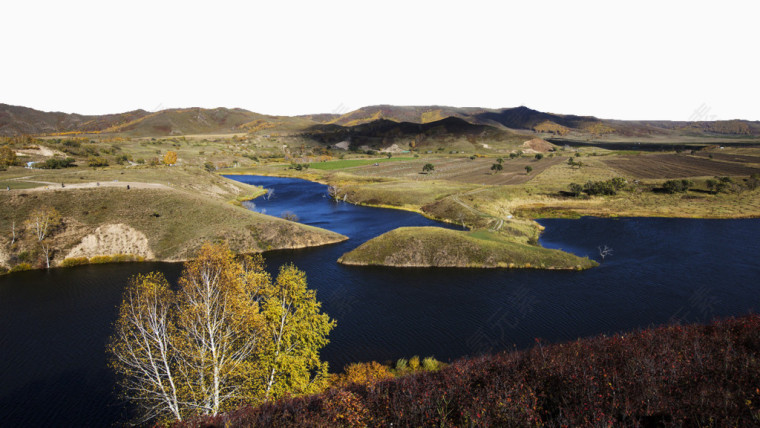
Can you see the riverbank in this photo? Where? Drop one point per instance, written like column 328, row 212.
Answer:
column 438, row 247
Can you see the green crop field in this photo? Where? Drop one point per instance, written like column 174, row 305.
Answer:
column 348, row 163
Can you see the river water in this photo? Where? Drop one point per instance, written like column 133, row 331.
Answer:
column 55, row 324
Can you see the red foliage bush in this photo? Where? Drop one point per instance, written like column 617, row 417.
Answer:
column 696, row 375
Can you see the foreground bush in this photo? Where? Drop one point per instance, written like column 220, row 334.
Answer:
column 697, row 375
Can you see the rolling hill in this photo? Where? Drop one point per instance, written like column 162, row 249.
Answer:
column 372, row 125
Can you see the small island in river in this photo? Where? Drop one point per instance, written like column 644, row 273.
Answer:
column 439, row 247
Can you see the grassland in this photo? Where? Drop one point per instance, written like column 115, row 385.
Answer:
column 439, row 247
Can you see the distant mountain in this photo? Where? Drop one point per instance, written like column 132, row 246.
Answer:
column 16, row 120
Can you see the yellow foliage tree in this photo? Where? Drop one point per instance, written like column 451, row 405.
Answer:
column 170, row 158
column 228, row 336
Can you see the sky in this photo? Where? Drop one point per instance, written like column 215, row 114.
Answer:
column 665, row 60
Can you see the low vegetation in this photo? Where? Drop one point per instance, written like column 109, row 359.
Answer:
column 695, row 375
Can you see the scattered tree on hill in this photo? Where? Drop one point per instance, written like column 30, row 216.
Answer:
column 500, row 160
column 7, row 156
column 573, row 163
column 389, row 155
column 528, row 169
column 170, row 158
column 497, row 167
column 42, row 221
column 429, row 167
column 539, row 156
column 228, row 336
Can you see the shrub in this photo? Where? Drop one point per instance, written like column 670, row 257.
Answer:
column 74, row 261
column 96, row 161
column 289, row 215
column 55, row 163
column 116, row 258
column 20, row 267
column 363, row 374
column 431, row 364
column 539, row 156
column 402, row 364
column 414, row 363
column 27, row 256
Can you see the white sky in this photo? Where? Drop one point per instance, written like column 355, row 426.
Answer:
column 612, row 59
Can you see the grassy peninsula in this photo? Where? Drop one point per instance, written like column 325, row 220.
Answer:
column 439, row 247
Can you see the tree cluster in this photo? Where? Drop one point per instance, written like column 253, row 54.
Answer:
column 595, row 188
column 228, row 336
column 677, row 186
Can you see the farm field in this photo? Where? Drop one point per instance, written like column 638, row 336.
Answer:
column 665, row 166
column 461, row 169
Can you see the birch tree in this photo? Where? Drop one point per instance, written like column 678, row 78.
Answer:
column 142, row 348
column 297, row 331
column 228, row 337
column 42, row 221
column 221, row 322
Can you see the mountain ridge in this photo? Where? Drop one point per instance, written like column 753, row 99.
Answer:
column 19, row 120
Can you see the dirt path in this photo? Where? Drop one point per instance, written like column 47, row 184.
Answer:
column 49, row 186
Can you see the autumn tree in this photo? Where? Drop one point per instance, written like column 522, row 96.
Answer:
column 230, row 335
column 170, row 158
column 297, row 331
column 144, row 348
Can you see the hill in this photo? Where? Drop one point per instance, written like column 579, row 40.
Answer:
column 694, row 375
column 439, row 247
column 16, row 120
column 374, row 122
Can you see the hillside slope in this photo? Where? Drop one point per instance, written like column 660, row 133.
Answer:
column 695, row 375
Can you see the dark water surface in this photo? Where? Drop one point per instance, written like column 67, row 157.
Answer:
column 55, row 325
